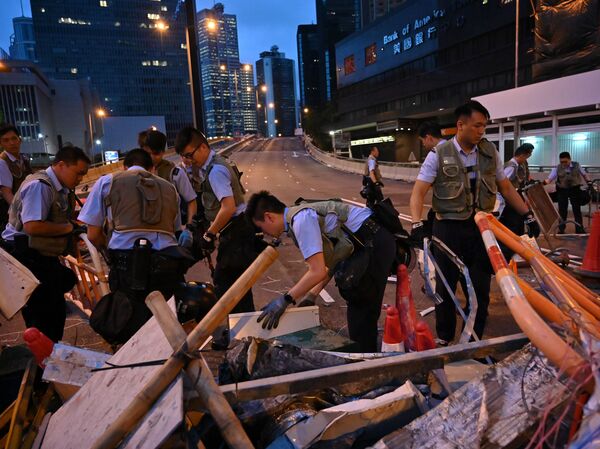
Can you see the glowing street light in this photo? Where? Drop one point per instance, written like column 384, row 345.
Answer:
column 263, row 88
column 271, row 105
column 259, row 105
column 247, row 67
column 222, row 67
column 306, row 110
column 162, row 26
column 276, row 121
column 211, row 25
column 101, row 113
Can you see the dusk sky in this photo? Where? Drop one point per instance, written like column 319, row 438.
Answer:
column 261, row 23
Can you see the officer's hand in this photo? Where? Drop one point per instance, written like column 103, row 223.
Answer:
column 186, row 239
column 418, row 234
column 379, row 184
column 531, row 225
column 272, row 312
column 308, row 300
column 207, row 242
column 78, row 229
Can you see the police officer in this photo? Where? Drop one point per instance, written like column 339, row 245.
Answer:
column 14, row 168
column 155, row 144
column 141, row 210
column 39, row 230
column 516, row 171
column 430, row 135
column 465, row 174
column 224, row 205
column 335, row 239
column 372, row 180
column 569, row 176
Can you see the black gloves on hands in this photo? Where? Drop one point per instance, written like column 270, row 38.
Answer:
column 531, row 225
column 418, row 234
column 78, row 229
column 207, row 242
column 271, row 313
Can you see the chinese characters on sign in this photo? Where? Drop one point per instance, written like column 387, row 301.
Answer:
column 349, row 66
column 371, row 54
column 403, row 41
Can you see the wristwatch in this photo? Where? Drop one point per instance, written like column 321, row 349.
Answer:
column 416, row 225
column 209, row 237
column 289, row 298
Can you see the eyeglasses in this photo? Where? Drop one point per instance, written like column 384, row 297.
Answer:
column 190, row 155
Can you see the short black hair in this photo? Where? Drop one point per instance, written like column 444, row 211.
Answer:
column 189, row 135
column 431, row 128
column 142, row 136
column 465, row 110
column 156, row 141
column 139, row 157
column 564, row 154
column 526, row 148
column 7, row 127
column 262, row 202
column 70, row 156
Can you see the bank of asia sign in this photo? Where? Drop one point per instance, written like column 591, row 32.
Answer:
column 415, row 33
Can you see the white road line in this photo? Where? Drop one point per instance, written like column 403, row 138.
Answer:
column 356, row 203
column 392, row 279
column 327, row 299
column 427, row 311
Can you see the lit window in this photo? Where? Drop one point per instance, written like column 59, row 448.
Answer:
column 103, row 3
column 43, row 9
column 349, row 66
column 73, row 70
column 145, row 63
column 163, row 8
column 117, row 24
column 153, row 16
column 184, row 46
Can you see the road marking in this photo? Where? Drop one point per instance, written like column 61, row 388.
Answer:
column 327, row 299
column 392, row 279
column 427, row 311
column 294, row 154
column 400, row 215
column 312, row 189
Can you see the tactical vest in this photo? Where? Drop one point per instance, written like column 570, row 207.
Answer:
column 142, row 202
column 60, row 213
column 18, row 172
column 164, row 169
column 453, row 197
column 336, row 245
column 567, row 179
column 377, row 172
column 211, row 203
column 519, row 175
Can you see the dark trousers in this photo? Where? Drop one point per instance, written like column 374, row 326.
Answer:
column 238, row 247
column 513, row 221
column 464, row 239
column 364, row 302
column 373, row 193
column 46, row 308
column 564, row 196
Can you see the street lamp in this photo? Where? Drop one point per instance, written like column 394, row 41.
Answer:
column 263, row 88
column 271, row 105
column 306, row 110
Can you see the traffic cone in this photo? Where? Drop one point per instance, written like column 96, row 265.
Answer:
column 424, row 337
column 406, row 308
column 40, row 345
column 393, row 340
column 591, row 260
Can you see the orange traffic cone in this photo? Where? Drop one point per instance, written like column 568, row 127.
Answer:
column 40, row 345
column 393, row 340
column 406, row 308
column 424, row 340
column 591, row 260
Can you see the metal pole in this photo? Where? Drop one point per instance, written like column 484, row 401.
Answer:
column 194, row 64
column 91, row 136
column 517, row 130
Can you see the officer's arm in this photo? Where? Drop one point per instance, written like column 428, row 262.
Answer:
column 225, row 213
column 47, row 228
column 6, row 194
column 316, row 274
column 552, row 177
column 372, row 175
column 192, row 208
column 417, row 198
column 96, row 236
column 511, row 196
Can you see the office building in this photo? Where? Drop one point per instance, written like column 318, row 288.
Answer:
column 248, row 99
column 310, row 70
column 133, row 52
column 22, row 41
column 372, row 10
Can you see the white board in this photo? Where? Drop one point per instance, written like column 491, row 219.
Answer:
column 293, row 320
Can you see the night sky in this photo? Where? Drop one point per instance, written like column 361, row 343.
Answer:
column 261, row 23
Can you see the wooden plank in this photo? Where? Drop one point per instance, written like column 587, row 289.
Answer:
column 15, row 434
column 38, row 419
column 294, row 319
column 7, row 415
column 370, row 373
column 80, row 421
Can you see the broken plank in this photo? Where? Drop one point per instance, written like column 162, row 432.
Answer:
column 15, row 434
column 7, row 415
column 371, row 372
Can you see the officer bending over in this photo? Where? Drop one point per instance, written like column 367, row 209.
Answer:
column 335, row 239
column 141, row 211
column 465, row 173
column 39, row 230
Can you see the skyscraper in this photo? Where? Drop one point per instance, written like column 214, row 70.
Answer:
column 22, row 42
column 248, row 98
column 374, row 9
column 220, row 71
column 134, row 52
column 276, row 91
column 309, row 66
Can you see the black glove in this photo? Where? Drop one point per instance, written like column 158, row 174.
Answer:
column 78, row 229
column 531, row 225
column 308, row 300
column 417, row 234
column 207, row 242
column 379, row 184
column 272, row 312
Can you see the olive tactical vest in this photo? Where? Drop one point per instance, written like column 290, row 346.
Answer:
column 19, row 172
column 568, row 178
column 60, row 213
column 453, row 197
column 519, row 175
column 211, row 203
column 377, row 172
column 336, row 245
column 164, row 169
column 141, row 201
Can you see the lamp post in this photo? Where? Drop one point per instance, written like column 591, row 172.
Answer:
column 101, row 113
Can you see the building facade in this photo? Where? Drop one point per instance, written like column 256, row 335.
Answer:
column 372, row 10
column 275, row 74
column 133, row 52
column 309, row 66
column 22, row 42
column 248, row 99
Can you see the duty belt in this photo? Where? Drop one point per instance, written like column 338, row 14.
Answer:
column 120, row 259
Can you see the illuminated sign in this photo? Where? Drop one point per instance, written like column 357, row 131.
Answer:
column 111, row 156
column 372, row 140
column 404, row 40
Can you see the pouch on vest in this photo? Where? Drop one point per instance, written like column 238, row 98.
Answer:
column 140, row 264
column 151, row 204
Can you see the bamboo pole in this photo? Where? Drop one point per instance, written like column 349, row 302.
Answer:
column 169, row 371
column 200, row 376
column 34, row 428
column 15, row 434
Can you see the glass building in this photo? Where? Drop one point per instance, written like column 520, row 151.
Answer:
column 133, row 52
column 309, row 66
column 275, row 74
column 22, row 42
column 248, row 99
